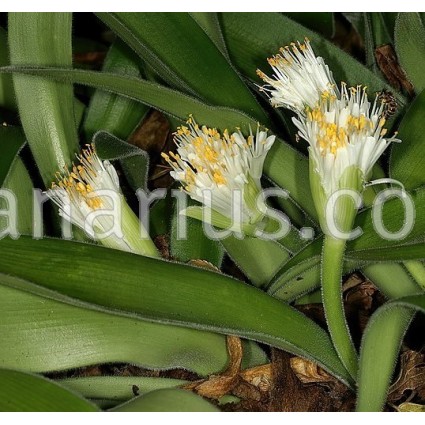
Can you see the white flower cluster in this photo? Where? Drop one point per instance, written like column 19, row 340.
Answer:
column 343, row 128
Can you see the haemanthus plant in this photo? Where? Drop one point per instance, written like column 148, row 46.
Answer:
column 87, row 304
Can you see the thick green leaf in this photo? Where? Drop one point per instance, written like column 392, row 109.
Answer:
column 182, row 53
column 24, row 392
column 110, row 112
column 380, row 346
column 117, row 388
column 46, row 108
column 155, row 290
column 410, row 47
column 252, row 37
column 406, row 163
column 167, row 400
column 57, row 333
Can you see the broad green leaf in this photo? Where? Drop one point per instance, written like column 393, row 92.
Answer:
column 117, row 388
column 163, row 292
column 182, row 53
column 57, row 326
column 167, row 400
column 293, row 178
column 252, row 37
column 406, row 157
column 410, row 47
column 25, row 392
column 46, row 108
column 7, row 92
column 58, row 333
column 110, row 112
column 379, row 350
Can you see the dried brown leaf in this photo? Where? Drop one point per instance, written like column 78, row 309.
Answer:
column 387, row 61
column 308, row 372
column 411, row 376
column 203, row 264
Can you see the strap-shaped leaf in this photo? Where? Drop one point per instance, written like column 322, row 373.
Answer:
column 179, row 50
column 58, row 333
column 155, row 290
column 110, row 112
column 25, row 392
column 46, row 108
column 167, row 400
column 380, row 346
column 117, row 389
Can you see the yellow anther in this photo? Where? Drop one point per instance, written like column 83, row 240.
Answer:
column 218, row 178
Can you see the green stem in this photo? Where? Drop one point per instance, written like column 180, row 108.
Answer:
column 332, row 263
column 417, row 270
column 131, row 227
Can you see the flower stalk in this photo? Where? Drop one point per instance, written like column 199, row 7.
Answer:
column 346, row 137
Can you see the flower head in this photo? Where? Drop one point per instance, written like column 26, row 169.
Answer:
column 75, row 191
column 299, row 78
column 88, row 195
column 221, row 164
column 342, row 132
